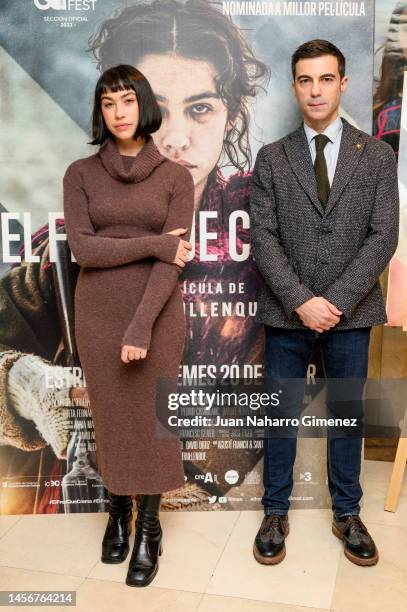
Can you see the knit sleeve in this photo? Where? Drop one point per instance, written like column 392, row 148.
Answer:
column 93, row 251
column 163, row 276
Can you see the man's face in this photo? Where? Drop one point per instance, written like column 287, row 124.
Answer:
column 194, row 116
column 318, row 88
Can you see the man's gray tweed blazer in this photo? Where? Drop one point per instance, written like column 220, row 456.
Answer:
column 303, row 250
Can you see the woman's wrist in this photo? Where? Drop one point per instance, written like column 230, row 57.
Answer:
column 139, row 336
column 167, row 247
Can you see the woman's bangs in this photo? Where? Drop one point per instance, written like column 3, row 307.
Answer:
column 114, row 83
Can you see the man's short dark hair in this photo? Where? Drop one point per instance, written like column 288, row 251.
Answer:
column 121, row 78
column 318, row 48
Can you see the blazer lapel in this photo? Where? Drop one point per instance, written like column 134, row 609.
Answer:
column 299, row 156
column 350, row 152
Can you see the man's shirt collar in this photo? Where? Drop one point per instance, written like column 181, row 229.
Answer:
column 332, row 131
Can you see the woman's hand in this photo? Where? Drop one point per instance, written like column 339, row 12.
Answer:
column 132, row 352
column 184, row 246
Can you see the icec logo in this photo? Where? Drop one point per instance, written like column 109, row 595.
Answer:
column 232, row 476
column 65, row 5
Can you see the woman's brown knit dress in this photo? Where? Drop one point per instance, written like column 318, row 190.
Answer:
column 117, row 212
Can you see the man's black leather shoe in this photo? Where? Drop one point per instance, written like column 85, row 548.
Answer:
column 115, row 544
column 269, row 545
column 359, row 545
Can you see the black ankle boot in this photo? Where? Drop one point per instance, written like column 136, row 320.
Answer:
column 143, row 564
column 115, row 545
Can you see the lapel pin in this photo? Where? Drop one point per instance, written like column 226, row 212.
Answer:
column 359, row 146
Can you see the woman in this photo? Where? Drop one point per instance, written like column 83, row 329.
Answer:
column 204, row 75
column 123, row 210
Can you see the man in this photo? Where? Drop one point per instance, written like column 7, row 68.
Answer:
column 324, row 215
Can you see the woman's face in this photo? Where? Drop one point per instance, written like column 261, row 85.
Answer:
column 120, row 111
column 194, row 116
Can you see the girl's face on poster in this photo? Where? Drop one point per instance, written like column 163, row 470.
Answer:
column 194, row 118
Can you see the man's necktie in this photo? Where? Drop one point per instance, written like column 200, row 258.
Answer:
column 321, row 171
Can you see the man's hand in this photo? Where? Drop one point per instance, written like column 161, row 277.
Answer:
column 318, row 314
column 184, row 246
column 132, row 352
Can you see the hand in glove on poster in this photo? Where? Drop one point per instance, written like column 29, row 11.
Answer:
column 37, row 399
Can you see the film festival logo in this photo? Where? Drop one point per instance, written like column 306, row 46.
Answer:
column 65, row 5
column 232, row 476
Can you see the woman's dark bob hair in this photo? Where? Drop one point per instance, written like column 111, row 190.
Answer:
column 121, row 78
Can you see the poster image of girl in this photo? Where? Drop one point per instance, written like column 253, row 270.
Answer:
column 389, row 87
column 204, row 74
column 388, row 101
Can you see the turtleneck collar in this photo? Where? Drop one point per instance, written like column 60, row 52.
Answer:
column 144, row 162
